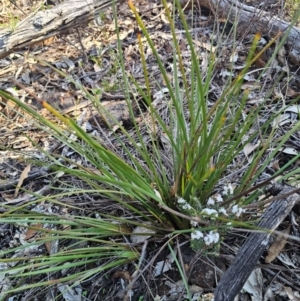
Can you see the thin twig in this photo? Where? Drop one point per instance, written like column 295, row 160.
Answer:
column 195, row 219
column 272, row 199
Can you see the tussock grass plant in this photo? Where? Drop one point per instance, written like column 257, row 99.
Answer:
column 185, row 195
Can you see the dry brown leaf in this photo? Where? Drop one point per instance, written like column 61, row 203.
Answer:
column 290, row 151
column 51, row 246
column 48, row 246
column 32, row 232
column 251, row 86
column 164, row 18
column 290, row 294
column 291, row 92
column 275, row 165
column 23, row 176
column 250, row 147
column 125, row 275
column 277, row 246
column 293, row 108
column 255, row 100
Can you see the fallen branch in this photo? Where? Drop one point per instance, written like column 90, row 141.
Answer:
column 252, row 20
column 47, row 23
column 74, row 13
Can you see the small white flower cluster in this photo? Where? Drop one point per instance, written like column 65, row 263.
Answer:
column 228, row 189
column 183, row 204
column 189, row 210
column 212, row 237
column 222, row 210
column 237, row 210
column 211, row 212
column 194, row 224
column 216, row 200
column 197, row 234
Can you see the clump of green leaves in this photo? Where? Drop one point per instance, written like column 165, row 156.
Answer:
column 204, row 140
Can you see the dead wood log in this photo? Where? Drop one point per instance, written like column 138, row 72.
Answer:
column 248, row 256
column 73, row 13
column 252, row 20
column 47, row 23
